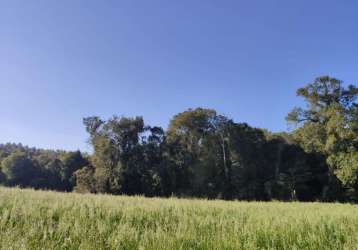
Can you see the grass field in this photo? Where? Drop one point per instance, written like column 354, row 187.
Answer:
column 48, row 220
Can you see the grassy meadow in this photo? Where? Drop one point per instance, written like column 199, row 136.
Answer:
column 49, row 220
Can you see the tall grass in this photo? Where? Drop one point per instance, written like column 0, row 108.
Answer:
column 48, row 220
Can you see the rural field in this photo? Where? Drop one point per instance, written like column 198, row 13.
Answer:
column 49, row 220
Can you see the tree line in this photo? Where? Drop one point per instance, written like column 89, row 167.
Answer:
column 206, row 154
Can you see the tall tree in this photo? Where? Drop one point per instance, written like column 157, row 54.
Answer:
column 329, row 125
column 199, row 134
column 117, row 157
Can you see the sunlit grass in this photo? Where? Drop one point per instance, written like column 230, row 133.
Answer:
column 48, row 220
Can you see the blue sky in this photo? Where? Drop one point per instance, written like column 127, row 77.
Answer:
column 63, row 60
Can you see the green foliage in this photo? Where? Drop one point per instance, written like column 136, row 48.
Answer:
column 71, row 162
column 18, row 169
column 347, row 167
column 205, row 154
column 202, row 154
column 329, row 126
column 85, row 181
column 38, row 168
column 124, row 159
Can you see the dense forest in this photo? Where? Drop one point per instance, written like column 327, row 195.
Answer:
column 205, row 154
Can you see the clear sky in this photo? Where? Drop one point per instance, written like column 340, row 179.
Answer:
column 63, row 60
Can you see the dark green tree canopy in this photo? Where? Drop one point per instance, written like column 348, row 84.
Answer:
column 206, row 154
column 329, row 125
